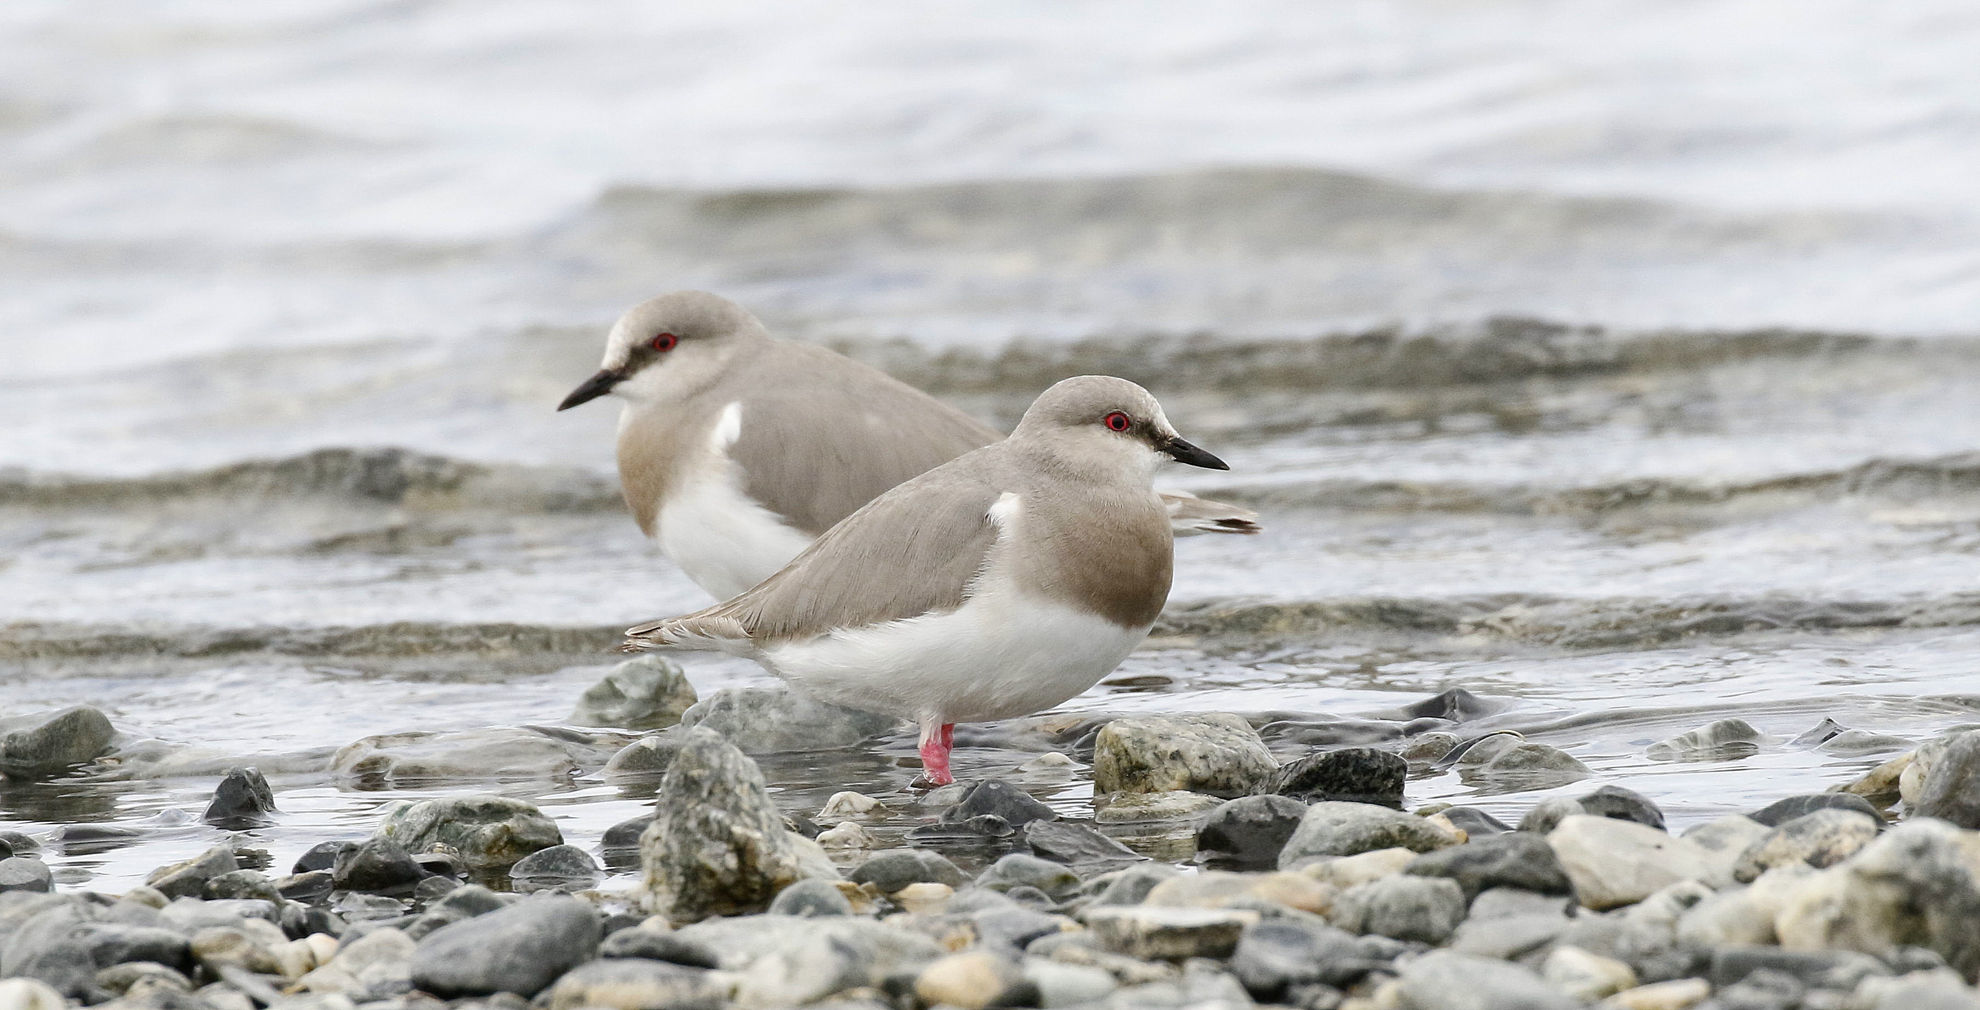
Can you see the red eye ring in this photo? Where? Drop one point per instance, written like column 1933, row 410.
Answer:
column 1117, row 421
column 664, row 342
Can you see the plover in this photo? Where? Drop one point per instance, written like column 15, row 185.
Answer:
column 998, row 584
column 737, row 449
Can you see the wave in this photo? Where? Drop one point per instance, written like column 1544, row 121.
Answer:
column 376, row 476
column 1886, row 480
column 1535, row 620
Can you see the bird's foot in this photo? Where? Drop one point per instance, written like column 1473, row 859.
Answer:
column 935, row 748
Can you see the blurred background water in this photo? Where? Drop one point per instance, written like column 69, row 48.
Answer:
column 1619, row 359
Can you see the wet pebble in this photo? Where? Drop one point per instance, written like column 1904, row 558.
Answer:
column 1346, row 829
column 490, row 833
column 649, row 692
column 646, row 757
column 1788, row 808
column 560, row 867
column 241, row 801
column 494, row 752
column 1248, row 833
column 620, row 843
column 1530, row 766
column 1355, row 774
column 770, row 720
column 44, row 744
column 1023, row 870
column 1951, row 789
column 894, row 869
column 1218, row 754
column 251, row 884
column 1724, row 740
column 1474, row 822
column 1000, row 799
column 1142, row 808
column 1080, row 847
column 377, row 866
column 518, row 949
column 188, row 878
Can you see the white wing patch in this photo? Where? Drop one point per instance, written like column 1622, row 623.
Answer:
column 728, row 428
column 1004, row 512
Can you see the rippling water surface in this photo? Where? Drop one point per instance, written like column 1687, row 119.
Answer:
column 1617, row 363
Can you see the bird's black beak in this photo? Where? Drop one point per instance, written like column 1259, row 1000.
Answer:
column 593, row 388
column 1183, row 452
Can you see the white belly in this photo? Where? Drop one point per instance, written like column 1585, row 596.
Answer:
column 721, row 537
column 999, row 656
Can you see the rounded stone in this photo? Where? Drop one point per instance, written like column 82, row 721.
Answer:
column 242, row 800
column 559, row 866
column 1515, row 859
column 998, row 798
column 1951, row 789
column 37, row 746
column 1021, row 870
column 1355, row 774
column 893, row 869
column 973, row 980
column 491, row 833
column 518, row 949
column 1346, row 829
column 1218, row 754
column 811, row 897
column 1820, row 839
column 1421, row 909
column 1615, row 863
column 377, row 866
column 644, row 693
column 25, row 873
column 1786, row 809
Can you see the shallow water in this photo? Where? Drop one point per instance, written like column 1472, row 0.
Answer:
column 1589, row 369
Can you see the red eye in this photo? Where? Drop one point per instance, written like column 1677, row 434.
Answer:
column 1117, row 421
column 664, row 342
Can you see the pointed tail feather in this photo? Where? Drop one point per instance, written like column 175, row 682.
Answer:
column 700, row 632
column 1190, row 515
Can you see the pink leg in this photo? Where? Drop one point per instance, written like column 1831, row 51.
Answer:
column 935, row 744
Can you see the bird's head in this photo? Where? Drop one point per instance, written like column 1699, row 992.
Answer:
column 665, row 346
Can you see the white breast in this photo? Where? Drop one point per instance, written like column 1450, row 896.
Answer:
column 715, row 532
column 1003, row 653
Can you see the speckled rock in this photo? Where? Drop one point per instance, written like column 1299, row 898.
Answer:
column 1742, row 916
column 1614, row 863
column 1951, row 788
column 1530, row 766
column 647, row 757
column 1820, row 839
column 649, row 692
column 717, row 845
column 1345, row 829
column 491, row 833
column 1441, row 980
column 1914, row 885
column 771, row 720
column 1354, row 774
column 559, row 867
column 636, row 984
column 1724, row 840
column 1218, row 754
column 893, row 869
column 1423, row 909
column 1142, row 808
column 1164, row 933
column 44, row 744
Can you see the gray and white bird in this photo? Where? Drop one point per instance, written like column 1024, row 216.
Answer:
column 995, row 585
column 737, row 449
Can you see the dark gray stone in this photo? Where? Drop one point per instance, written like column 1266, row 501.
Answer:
column 1784, row 810
column 188, row 879
column 518, row 949
column 620, row 844
column 1014, row 928
column 241, row 801
column 890, row 870
column 1529, row 766
column 646, row 757
column 1515, row 859
column 1129, row 886
column 1079, row 846
column 1621, row 804
column 1355, row 774
column 376, row 866
column 1828, row 969
column 1475, row 822
column 1951, row 791
column 116, row 943
column 25, row 873
column 1277, row 954
column 811, row 897
column 1725, row 740
column 308, row 886
column 50, row 945
column 1021, row 870
column 252, row 884
column 563, row 867
column 321, row 856
column 1001, row 799
column 658, row 946
column 45, row 744
column 1249, row 832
